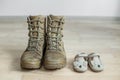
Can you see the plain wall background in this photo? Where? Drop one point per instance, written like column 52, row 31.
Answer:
column 109, row 8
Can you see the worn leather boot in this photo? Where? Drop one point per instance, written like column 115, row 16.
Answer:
column 32, row 56
column 55, row 57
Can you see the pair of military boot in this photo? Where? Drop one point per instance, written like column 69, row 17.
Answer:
column 45, row 45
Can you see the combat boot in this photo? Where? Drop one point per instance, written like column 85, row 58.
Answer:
column 55, row 57
column 32, row 56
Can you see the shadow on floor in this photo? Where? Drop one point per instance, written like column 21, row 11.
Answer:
column 14, row 55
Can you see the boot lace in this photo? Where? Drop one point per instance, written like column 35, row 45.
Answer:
column 54, row 34
column 35, row 35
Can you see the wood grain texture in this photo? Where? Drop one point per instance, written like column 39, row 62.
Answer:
column 102, row 38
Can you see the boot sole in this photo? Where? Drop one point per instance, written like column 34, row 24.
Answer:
column 53, row 65
column 30, row 66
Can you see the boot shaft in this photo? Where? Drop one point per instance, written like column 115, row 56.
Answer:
column 36, row 32
column 54, row 32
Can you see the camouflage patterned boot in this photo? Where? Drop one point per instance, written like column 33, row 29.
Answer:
column 55, row 57
column 31, row 58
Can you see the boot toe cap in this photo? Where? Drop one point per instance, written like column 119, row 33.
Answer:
column 30, row 61
column 54, row 60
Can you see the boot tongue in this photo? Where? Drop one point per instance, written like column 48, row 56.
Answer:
column 37, row 17
column 34, row 17
column 55, row 17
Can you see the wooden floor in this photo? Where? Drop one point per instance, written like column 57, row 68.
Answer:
column 102, row 38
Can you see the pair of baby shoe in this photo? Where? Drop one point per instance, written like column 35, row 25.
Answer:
column 82, row 61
